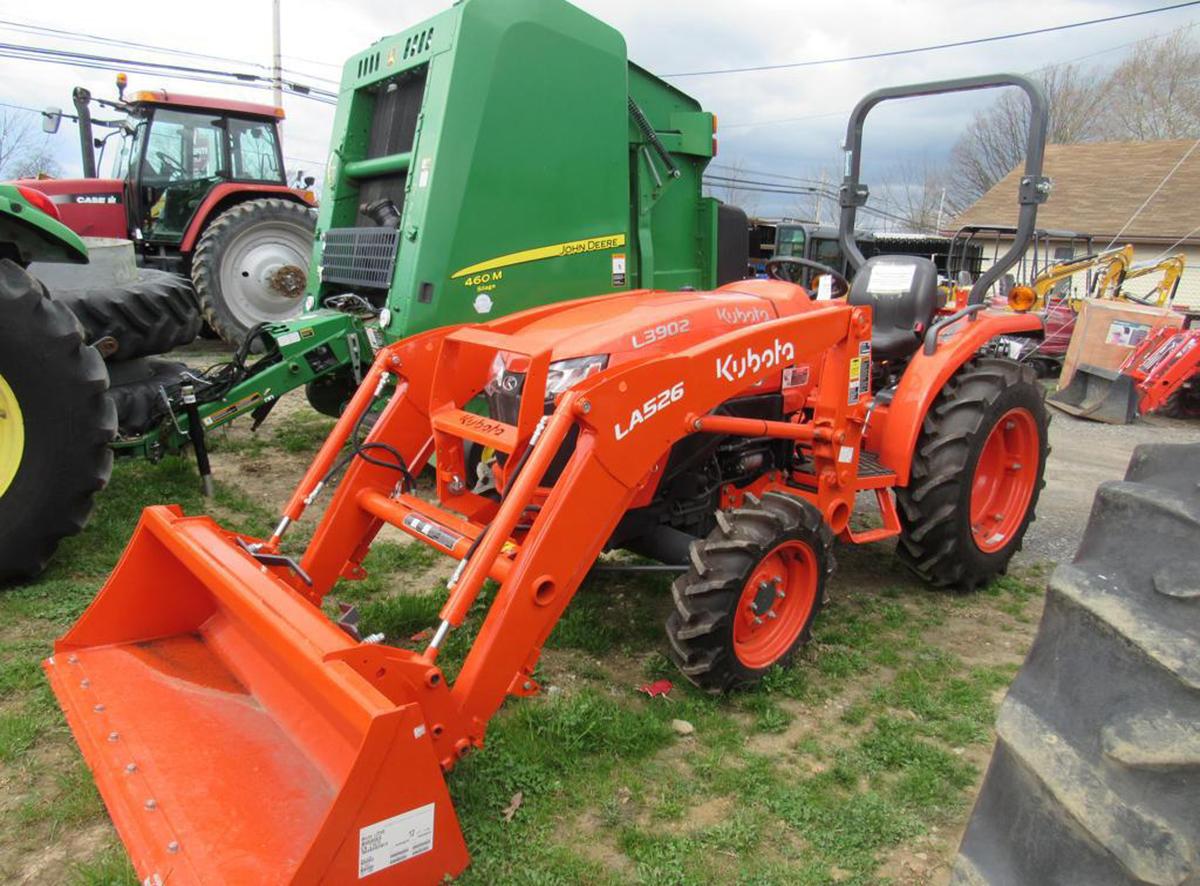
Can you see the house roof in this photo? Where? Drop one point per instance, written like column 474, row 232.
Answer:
column 1098, row 186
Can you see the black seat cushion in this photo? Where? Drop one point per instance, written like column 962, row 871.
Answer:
column 901, row 291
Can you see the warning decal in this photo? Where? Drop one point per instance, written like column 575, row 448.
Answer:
column 395, row 839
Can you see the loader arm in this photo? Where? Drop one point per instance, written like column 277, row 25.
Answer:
column 199, row 628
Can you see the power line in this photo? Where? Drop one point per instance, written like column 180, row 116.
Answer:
column 186, row 72
column 995, row 38
column 83, row 37
column 1070, row 61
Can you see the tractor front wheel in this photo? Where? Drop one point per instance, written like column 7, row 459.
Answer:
column 976, row 474
column 755, row 585
column 55, row 425
column 251, row 265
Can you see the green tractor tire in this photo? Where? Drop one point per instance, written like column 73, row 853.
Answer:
column 55, row 425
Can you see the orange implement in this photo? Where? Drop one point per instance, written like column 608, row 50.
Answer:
column 230, row 741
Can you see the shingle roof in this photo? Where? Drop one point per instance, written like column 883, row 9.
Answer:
column 1099, row 185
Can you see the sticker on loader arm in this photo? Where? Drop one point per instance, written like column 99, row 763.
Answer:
column 395, row 839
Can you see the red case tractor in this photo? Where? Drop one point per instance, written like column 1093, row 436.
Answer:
column 728, row 431
column 198, row 185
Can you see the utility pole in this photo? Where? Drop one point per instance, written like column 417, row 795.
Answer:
column 277, row 58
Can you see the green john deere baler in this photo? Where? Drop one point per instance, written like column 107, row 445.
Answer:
column 500, row 155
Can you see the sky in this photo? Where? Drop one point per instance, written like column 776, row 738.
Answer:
column 787, row 122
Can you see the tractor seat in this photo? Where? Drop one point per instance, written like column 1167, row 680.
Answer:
column 901, row 291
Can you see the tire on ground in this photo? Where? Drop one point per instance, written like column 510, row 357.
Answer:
column 1096, row 769
column 135, row 389
column 151, row 316
column 701, row 627
column 937, row 541
column 270, row 242
column 66, row 423
column 1184, row 402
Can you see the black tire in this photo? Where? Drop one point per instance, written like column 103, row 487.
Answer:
column 58, row 383
column 277, row 267
column 1096, row 771
column 1184, row 402
column 707, row 596
column 936, row 541
column 330, row 393
column 134, row 388
column 152, row 316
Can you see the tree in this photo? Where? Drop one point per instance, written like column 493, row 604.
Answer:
column 994, row 144
column 1155, row 93
column 24, row 148
column 920, row 196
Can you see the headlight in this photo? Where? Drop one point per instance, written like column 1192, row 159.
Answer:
column 565, row 374
column 561, row 376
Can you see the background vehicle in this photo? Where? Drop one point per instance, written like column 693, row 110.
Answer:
column 428, row 225
column 198, row 184
column 742, row 422
column 55, row 420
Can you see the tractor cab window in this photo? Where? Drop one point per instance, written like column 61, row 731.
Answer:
column 790, row 241
column 183, row 146
column 183, row 158
column 255, row 151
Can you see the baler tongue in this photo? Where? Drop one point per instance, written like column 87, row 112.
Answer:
column 237, row 736
column 1098, row 394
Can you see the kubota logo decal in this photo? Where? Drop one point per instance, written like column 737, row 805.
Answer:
column 743, row 316
column 650, row 408
column 495, row 428
column 732, row 367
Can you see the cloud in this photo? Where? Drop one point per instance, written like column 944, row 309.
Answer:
column 666, row 36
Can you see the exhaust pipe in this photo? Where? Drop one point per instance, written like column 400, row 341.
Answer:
column 83, row 101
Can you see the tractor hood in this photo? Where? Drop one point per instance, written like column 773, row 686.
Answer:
column 91, row 207
column 647, row 322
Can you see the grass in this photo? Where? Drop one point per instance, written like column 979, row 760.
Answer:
column 868, row 746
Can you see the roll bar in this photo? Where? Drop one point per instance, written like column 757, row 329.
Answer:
column 1034, row 187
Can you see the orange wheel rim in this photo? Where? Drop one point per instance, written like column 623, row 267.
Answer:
column 775, row 604
column 1004, row 479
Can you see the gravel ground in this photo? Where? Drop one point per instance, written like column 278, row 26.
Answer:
column 1083, row 455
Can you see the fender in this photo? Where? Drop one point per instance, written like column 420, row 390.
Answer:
column 925, row 377
column 244, row 191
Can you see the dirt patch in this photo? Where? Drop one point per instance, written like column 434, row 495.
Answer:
column 70, row 846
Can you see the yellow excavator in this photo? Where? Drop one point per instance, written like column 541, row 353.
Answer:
column 1171, row 267
column 1114, row 264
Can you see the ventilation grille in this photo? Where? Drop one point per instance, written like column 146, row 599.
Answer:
column 368, row 64
column 417, row 43
column 361, row 257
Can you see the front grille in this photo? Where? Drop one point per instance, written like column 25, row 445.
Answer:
column 361, row 257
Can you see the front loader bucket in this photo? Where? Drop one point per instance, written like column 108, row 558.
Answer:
column 230, row 734
column 1098, row 394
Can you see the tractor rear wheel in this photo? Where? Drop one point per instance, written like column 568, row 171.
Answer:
column 1096, row 768
column 55, row 425
column 251, row 265
column 976, row 474
column 755, row 585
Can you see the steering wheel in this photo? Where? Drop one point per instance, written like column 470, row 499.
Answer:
column 775, row 270
column 170, row 164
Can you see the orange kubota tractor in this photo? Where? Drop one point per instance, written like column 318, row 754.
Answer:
column 238, row 735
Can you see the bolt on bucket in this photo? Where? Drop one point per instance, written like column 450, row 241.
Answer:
column 1098, row 394
column 236, row 735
